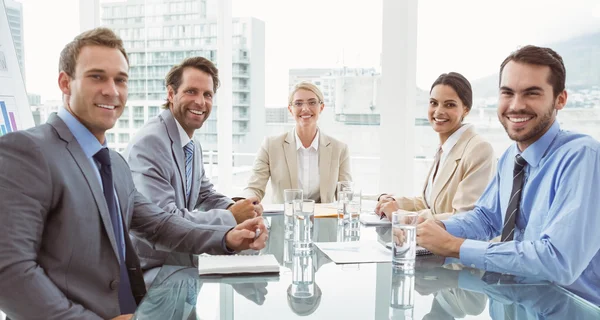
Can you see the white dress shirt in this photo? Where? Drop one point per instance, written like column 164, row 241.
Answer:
column 183, row 136
column 446, row 148
column 308, row 168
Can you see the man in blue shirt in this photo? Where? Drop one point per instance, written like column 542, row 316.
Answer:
column 543, row 200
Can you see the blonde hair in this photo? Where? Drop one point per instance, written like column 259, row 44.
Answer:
column 308, row 87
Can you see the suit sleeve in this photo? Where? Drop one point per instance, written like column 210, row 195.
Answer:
column 261, row 173
column 151, row 169
column 170, row 232
column 26, row 192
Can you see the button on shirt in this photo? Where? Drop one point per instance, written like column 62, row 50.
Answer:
column 90, row 145
column 556, row 234
column 308, row 168
column 446, row 148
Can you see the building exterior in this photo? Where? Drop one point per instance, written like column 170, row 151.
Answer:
column 160, row 34
column 14, row 13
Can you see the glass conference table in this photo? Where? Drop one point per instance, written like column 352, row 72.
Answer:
column 314, row 287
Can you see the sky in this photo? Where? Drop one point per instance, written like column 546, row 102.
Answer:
column 467, row 36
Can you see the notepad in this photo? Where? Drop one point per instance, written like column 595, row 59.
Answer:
column 420, row 250
column 322, row 210
column 237, row 264
column 374, row 220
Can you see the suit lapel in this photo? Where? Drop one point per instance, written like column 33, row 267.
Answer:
column 448, row 168
column 324, row 166
column 289, row 150
column 176, row 147
column 88, row 172
column 120, row 180
column 425, row 186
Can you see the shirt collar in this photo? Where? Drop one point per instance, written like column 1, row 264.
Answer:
column 314, row 144
column 453, row 138
column 536, row 151
column 183, row 136
column 88, row 142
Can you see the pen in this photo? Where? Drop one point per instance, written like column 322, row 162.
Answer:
column 256, row 233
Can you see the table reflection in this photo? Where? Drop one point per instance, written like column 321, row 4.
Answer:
column 311, row 286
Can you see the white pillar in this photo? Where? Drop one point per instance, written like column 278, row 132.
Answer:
column 224, row 97
column 398, row 91
column 89, row 14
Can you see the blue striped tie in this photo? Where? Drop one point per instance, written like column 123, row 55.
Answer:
column 189, row 156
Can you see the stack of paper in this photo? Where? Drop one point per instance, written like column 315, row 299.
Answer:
column 355, row 252
column 237, row 264
column 322, row 210
column 371, row 219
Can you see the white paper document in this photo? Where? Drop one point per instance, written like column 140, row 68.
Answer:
column 272, row 208
column 237, row 264
column 355, row 252
column 371, row 219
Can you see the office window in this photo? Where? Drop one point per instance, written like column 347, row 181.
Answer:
column 123, row 122
column 152, row 111
column 138, row 112
column 123, row 137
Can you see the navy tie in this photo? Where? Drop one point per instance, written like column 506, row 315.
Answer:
column 189, row 165
column 126, row 300
column 512, row 212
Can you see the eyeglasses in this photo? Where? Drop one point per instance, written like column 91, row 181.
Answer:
column 311, row 103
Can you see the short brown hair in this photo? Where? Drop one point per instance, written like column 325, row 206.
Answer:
column 175, row 75
column 96, row 37
column 543, row 57
column 460, row 84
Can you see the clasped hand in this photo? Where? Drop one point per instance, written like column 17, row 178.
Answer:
column 243, row 236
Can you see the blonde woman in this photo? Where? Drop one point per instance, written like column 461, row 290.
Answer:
column 304, row 158
column 464, row 162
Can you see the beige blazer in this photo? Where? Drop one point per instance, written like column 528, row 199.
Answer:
column 277, row 160
column 460, row 182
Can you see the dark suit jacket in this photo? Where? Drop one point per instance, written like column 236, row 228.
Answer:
column 58, row 255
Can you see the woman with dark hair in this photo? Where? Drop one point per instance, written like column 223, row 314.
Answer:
column 464, row 162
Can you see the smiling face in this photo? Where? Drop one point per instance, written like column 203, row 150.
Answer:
column 306, row 108
column 526, row 105
column 192, row 103
column 97, row 91
column 446, row 111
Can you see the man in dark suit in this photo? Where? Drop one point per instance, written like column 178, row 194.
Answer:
column 67, row 202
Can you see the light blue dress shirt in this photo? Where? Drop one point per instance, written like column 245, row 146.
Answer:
column 557, row 233
column 90, row 146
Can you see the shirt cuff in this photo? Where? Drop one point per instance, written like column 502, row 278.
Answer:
column 472, row 253
column 453, row 228
column 224, row 244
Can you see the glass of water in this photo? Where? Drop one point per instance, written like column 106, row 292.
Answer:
column 404, row 239
column 344, row 194
column 304, row 217
column 289, row 196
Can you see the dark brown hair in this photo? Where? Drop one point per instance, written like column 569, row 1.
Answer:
column 96, row 37
column 175, row 75
column 542, row 57
column 460, row 84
